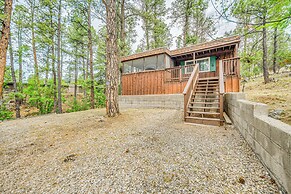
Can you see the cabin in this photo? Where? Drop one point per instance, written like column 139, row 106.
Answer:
column 202, row 73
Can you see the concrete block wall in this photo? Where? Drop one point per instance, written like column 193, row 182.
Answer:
column 171, row 101
column 269, row 138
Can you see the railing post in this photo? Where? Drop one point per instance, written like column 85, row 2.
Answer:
column 221, row 90
column 221, row 77
column 180, row 74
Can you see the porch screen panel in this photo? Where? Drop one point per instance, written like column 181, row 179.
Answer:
column 127, row 67
column 138, row 65
column 161, row 62
column 150, row 63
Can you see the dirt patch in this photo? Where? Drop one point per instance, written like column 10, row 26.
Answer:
column 276, row 94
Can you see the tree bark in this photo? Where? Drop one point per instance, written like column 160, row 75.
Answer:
column 112, row 70
column 265, row 64
column 275, row 51
column 84, row 73
column 36, row 71
column 76, row 78
column 122, row 28
column 53, row 63
column 90, row 45
column 59, row 110
column 186, row 25
column 147, row 26
column 47, row 66
column 20, row 60
column 17, row 101
column 4, row 42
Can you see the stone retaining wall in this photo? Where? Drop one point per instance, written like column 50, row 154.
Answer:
column 171, row 101
column 269, row 138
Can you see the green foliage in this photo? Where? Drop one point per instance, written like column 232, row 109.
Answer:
column 40, row 97
column 100, row 99
column 190, row 15
column 79, row 106
column 5, row 114
column 152, row 13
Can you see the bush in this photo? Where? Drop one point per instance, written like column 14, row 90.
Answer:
column 79, row 106
column 40, row 97
column 5, row 114
column 100, row 99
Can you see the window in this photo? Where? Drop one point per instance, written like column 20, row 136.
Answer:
column 204, row 64
column 127, row 67
column 189, row 67
column 150, row 63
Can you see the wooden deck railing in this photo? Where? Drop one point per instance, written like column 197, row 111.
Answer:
column 180, row 73
column 231, row 66
column 190, row 87
column 221, row 88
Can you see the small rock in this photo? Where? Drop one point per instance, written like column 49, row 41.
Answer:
column 241, row 180
column 276, row 114
column 71, row 157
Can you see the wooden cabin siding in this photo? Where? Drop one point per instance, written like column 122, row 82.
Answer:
column 150, row 82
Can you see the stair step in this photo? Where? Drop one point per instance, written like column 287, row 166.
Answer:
column 209, row 78
column 203, row 107
column 204, row 121
column 209, row 81
column 203, row 113
column 201, row 86
column 207, row 85
column 214, row 92
column 193, row 98
column 207, row 88
column 204, row 103
column 206, row 95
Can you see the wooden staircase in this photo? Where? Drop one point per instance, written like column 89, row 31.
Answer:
column 204, row 105
column 203, row 98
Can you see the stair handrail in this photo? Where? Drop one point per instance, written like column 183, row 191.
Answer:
column 221, row 89
column 189, row 88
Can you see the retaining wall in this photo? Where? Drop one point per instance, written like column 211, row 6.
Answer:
column 171, row 101
column 269, row 138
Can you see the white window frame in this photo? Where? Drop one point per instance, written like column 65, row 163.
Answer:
column 208, row 58
column 186, row 69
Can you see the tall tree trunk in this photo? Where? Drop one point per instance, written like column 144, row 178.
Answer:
column 275, row 51
column 17, row 101
column 186, row 25
column 112, row 70
column 122, row 37
column 91, row 58
column 4, row 42
column 53, row 63
column 84, row 73
column 59, row 110
column 122, row 28
column 47, row 67
column 265, row 64
column 76, row 78
column 20, row 60
column 36, row 72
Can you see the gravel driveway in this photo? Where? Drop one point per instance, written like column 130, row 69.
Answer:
column 141, row 151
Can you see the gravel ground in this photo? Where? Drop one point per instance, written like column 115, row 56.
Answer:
column 141, row 151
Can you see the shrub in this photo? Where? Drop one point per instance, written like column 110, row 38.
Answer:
column 5, row 114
